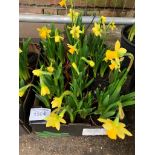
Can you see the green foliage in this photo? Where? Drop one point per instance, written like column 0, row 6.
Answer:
column 110, row 98
column 47, row 134
column 23, row 61
column 131, row 33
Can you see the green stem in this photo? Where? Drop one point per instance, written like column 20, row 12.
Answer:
column 131, row 57
column 62, row 113
column 65, row 93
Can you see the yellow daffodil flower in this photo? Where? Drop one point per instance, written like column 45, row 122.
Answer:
column 103, row 19
column 73, row 15
column 75, row 32
column 54, row 120
column 89, row 62
column 110, row 55
column 114, row 65
column 97, row 30
column 75, row 67
column 50, row 69
column 44, row 32
column 23, row 90
column 114, row 128
column 121, row 51
column 112, row 26
column 57, row 101
column 58, row 38
column 37, row 72
column 72, row 49
column 62, row 3
column 115, row 56
column 44, row 90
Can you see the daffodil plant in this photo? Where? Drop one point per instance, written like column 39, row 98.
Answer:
column 70, row 63
column 51, row 40
column 23, row 61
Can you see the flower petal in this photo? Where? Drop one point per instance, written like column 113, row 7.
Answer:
column 121, row 52
column 112, row 134
column 57, row 125
column 62, row 121
column 117, row 45
column 127, row 132
column 121, row 134
column 101, row 120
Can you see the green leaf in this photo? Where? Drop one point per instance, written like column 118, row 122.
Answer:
column 68, row 35
column 129, row 96
column 128, row 103
column 103, row 69
column 108, row 114
column 58, row 71
column 72, row 117
column 23, row 61
column 116, row 92
column 44, row 99
column 46, row 134
column 112, row 106
column 89, row 83
column 106, row 100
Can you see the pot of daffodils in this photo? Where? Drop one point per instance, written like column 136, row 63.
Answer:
column 79, row 78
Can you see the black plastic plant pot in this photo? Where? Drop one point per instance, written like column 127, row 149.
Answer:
column 130, row 47
column 24, row 110
column 81, row 127
column 72, row 129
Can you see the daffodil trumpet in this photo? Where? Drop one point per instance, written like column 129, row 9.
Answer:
column 57, row 101
column 23, row 89
column 44, row 88
column 75, row 68
column 39, row 72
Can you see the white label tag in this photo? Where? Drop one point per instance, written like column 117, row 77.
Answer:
column 38, row 114
column 93, row 132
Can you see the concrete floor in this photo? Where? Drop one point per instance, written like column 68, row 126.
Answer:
column 32, row 144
